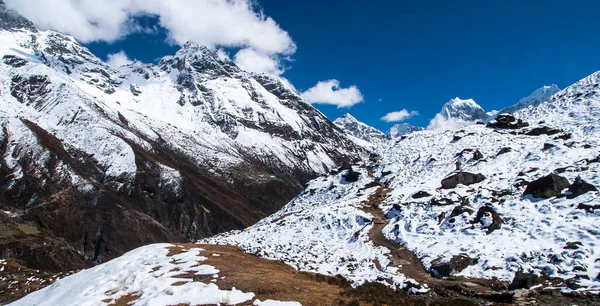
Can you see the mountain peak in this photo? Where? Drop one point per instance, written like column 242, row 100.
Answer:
column 360, row 130
column 193, row 56
column 11, row 20
column 467, row 110
column 402, row 129
column 348, row 117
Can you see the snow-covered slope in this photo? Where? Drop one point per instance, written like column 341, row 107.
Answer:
column 539, row 95
column 401, row 129
column 181, row 150
column 150, row 275
column 360, row 130
column 441, row 214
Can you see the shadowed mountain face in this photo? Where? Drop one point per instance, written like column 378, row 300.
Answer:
column 96, row 161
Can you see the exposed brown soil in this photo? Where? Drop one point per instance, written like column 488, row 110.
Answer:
column 266, row 278
column 17, row 281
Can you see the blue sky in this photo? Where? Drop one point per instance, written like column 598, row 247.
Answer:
column 416, row 55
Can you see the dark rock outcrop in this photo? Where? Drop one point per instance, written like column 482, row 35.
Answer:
column 421, row 194
column 455, row 265
column 523, row 280
column 573, row 245
column 504, row 151
column 543, row 131
column 459, row 210
column 14, row 61
column 580, row 187
column 488, row 212
column 505, row 121
column 477, row 155
column 464, row 178
column 588, row 208
column 547, row 187
column 351, row 176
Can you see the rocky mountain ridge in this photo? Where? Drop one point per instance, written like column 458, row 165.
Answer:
column 99, row 160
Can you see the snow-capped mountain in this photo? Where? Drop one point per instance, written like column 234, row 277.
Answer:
column 360, row 130
column 401, row 129
column 96, row 161
column 101, row 160
column 539, row 95
column 481, row 212
column 465, row 110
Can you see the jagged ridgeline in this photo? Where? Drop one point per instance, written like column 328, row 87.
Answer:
column 98, row 161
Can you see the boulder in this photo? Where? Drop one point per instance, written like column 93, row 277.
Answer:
column 503, row 151
column 421, row 194
column 351, row 176
column 441, row 217
column 588, row 208
column 505, row 121
column 455, row 265
column 464, row 178
column 459, row 210
column 580, row 187
column 488, row 218
column 547, row 187
column 477, row 155
column 523, row 280
column 572, row 284
column 543, row 131
column 573, row 245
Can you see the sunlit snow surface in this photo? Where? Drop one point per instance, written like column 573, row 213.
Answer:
column 147, row 273
column 323, row 229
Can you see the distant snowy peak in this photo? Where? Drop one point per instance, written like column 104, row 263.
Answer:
column 402, row 129
column 11, row 20
column 540, row 95
column 466, row 110
column 360, row 130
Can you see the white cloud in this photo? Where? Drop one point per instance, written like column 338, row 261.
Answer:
column 329, row 92
column 221, row 53
column 439, row 122
column 399, row 116
column 118, row 59
column 214, row 23
column 250, row 60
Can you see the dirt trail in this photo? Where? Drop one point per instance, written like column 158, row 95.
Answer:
column 408, row 263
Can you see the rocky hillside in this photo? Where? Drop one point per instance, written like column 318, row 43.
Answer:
column 96, row 161
column 487, row 208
